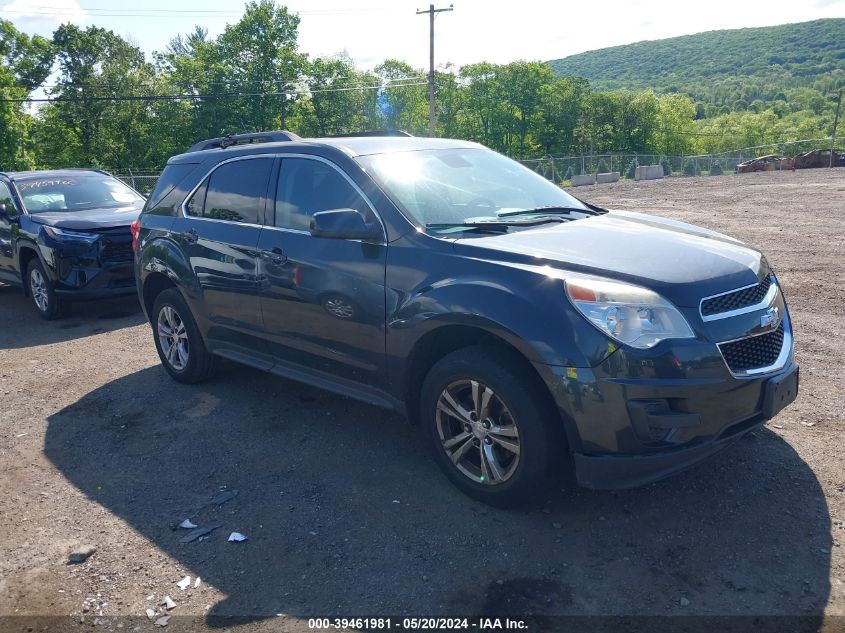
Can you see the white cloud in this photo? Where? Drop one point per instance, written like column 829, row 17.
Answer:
column 54, row 11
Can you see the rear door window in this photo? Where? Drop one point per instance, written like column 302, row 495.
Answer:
column 234, row 192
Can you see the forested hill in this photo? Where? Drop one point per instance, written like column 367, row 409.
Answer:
column 787, row 55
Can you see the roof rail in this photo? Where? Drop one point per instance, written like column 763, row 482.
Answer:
column 222, row 142
column 370, row 133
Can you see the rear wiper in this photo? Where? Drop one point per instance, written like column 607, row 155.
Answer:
column 553, row 209
column 494, row 225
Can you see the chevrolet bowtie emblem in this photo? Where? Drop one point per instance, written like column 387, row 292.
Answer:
column 770, row 318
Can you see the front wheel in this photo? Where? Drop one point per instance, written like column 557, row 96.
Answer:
column 41, row 291
column 490, row 426
column 178, row 341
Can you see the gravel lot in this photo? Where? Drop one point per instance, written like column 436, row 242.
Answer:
column 346, row 515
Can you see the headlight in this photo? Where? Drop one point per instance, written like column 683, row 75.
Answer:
column 65, row 235
column 632, row 315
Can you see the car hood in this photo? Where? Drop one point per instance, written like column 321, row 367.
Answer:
column 680, row 261
column 89, row 219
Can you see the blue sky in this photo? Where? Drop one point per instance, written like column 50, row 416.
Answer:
column 477, row 30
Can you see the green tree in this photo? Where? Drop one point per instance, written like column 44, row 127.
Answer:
column 402, row 107
column 675, row 124
column 258, row 54
column 335, row 100
column 450, row 103
column 94, row 65
column 562, row 106
column 26, row 62
column 480, row 87
column 521, row 88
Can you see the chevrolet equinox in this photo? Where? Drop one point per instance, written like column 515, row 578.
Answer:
column 532, row 337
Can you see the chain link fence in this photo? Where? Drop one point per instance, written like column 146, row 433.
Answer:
column 561, row 168
column 141, row 181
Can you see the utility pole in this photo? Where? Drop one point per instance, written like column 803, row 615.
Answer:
column 431, row 113
column 835, row 123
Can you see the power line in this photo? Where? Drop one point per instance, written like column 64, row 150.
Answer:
column 150, row 82
column 184, row 97
column 169, row 13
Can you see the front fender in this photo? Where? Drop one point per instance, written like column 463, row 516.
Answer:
column 23, row 241
column 531, row 314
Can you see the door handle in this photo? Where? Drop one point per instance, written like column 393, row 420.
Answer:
column 276, row 256
column 191, row 236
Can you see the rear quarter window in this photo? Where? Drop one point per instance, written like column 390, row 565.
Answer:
column 169, row 179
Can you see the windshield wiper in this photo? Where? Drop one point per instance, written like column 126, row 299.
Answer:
column 552, row 209
column 493, row 224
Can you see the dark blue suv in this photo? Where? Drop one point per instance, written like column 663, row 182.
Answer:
column 531, row 336
column 64, row 236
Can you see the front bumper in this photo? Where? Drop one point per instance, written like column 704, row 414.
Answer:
column 616, row 472
column 629, row 471
column 641, row 416
column 78, row 279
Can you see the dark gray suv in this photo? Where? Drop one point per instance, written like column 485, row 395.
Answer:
column 531, row 336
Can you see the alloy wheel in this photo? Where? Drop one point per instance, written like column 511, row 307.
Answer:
column 478, row 432
column 38, row 288
column 173, row 338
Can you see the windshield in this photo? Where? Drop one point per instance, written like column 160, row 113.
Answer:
column 75, row 192
column 455, row 186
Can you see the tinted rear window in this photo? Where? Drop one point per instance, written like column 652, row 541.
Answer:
column 167, row 181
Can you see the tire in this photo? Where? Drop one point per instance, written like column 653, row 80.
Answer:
column 517, row 407
column 182, row 354
column 40, row 290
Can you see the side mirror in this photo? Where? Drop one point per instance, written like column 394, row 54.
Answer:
column 342, row 224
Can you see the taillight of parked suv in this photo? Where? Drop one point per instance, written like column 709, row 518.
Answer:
column 135, row 229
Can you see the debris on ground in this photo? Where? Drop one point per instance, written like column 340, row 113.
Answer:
column 223, row 497
column 193, row 535
column 236, row 537
column 186, row 524
column 684, row 601
column 197, row 582
column 184, row 583
column 168, row 603
column 151, row 614
column 808, row 423
column 163, row 620
column 81, row 554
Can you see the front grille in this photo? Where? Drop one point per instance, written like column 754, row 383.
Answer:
column 753, row 352
column 117, row 251
column 735, row 300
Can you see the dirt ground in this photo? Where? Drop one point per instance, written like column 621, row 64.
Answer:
column 346, row 516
